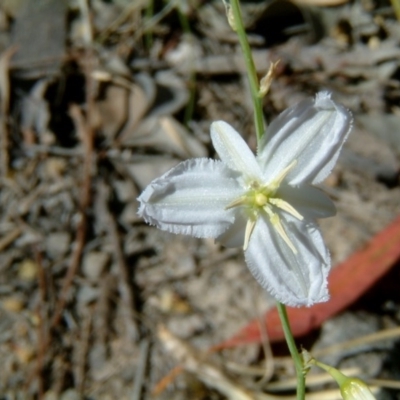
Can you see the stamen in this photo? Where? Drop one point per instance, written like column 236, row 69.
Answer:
column 276, row 222
column 281, row 176
column 238, row 202
column 282, row 204
column 251, row 223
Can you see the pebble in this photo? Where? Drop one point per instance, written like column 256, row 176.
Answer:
column 57, row 244
column 94, row 264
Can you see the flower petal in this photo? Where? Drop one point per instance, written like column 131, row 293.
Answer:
column 191, row 198
column 234, row 235
column 312, row 132
column 309, row 201
column 233, row 150
column 293, row 279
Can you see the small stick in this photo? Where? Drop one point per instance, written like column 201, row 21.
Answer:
column 141, row 370
column 82, row 350
column 125, row 288
column 9, row 238
column 85, row 133
column 205, row 371
column 43, row 334
column 167, row 380
column 4, row 108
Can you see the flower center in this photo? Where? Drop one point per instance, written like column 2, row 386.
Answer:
column 261, row 199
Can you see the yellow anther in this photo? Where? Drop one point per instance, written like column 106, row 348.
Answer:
column 235, row 203
column 274, row 185
column 251, row 223
column 277, row 224
column 282, row 204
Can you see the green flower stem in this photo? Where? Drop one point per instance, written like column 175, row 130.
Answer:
column 340, row 378
column 298, row 362
column 250, row 67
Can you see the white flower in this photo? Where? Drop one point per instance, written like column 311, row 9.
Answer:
column 266, row 202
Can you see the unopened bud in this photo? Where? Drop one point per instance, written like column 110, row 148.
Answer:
column 229, row 15
column 355, row 389
column 350, row 388
column 265, row 82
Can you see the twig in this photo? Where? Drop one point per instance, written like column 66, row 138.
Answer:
column 86, row 135
column 312, row 380
column 72, row 269
column 4, row 109
column 43, row 333
column 125, row 14
column 125, row 288
column 386, row 334
column 100, row 322
column 83, row 350
column 385, row 383
column 150, row 23
column 9, row 238
column 204, row 370
column 167, row 380
column 84, row 129
column 266, row 344
column 141, row 370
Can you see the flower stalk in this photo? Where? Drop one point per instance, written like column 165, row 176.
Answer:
column 250, row 68
column 298, row 362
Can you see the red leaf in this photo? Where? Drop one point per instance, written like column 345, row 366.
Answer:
column 347, row 282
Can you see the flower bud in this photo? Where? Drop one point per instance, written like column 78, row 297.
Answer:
column 229, row 15
column 355, row 389
column 350, row 388
column 266, row 81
